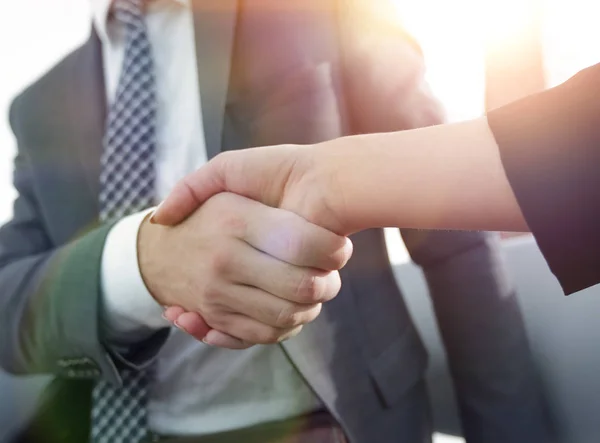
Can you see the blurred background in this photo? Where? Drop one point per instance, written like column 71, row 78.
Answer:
column 480, row 54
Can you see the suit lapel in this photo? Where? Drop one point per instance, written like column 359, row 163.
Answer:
column 87, row 107
column 214, row 24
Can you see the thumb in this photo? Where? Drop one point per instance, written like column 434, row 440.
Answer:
column 189, row 193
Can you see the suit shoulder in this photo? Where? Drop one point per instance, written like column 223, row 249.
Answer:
column 47, row 90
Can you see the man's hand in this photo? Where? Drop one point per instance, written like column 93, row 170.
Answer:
column 254, row 273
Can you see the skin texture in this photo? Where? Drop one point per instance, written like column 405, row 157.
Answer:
column 253, row 272
column 439, row 177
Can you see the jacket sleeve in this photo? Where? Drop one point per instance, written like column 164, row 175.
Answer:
column 49, row 294
column 550, row 147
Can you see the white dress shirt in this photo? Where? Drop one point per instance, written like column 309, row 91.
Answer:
column 197, row 389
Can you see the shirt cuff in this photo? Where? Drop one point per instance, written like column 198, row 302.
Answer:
column 129, row 311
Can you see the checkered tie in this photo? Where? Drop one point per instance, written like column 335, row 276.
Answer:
column 127, row 186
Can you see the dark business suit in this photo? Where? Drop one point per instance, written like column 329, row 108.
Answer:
column 270, row 72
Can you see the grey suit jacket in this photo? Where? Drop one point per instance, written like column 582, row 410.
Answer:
column 270, row 72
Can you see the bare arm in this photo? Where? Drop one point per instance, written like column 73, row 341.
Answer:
column 443, row 177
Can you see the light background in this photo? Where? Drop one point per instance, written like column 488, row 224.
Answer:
column 34, row 34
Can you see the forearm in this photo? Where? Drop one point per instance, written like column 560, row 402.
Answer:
column 440, row 177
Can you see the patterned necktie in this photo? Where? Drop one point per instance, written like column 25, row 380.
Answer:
column 119, row 415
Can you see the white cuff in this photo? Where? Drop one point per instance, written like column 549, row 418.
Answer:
column 130, row 312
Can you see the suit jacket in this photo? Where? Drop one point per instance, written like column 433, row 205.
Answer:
column 270, row 72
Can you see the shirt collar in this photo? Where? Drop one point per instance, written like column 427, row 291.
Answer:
column 100, row 10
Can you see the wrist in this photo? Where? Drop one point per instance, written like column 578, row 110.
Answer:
column 129, row 313
column 148, row 240
column 311, row 188
column 335, row 163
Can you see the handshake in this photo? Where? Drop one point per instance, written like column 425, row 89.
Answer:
column 245, row 250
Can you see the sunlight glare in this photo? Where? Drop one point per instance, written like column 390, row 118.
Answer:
column 454, row 54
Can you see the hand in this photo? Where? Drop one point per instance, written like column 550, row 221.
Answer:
column 254, row 273
column 288, row 177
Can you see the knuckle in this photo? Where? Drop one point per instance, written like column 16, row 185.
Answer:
column 221, row 260
column 217, row 321
column 335, row 262
column 313, row 313
column 225, row 210
column 212, row 291
column 213, row 303
column 338, row 259
column 339, row 253
column 222, row 159
column 310, row 288
column 235, row 224
column 332, row 284
column 270, row 336
column 226, row 322
column 288, row 318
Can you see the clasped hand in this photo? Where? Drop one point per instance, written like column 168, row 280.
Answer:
column 235, row 272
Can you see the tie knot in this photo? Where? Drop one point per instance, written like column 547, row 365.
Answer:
column 129, row 12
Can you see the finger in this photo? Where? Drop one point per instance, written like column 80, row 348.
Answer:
column 194, row 324
column 263, row 307
column 221, row 340
column 251, row 267
column 252, row 331
column 172, row 312
column 189, row 193
column 290, row 238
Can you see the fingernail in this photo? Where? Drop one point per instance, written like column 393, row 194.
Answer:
column 179, row 326
column 207, row 342
column 152, row 220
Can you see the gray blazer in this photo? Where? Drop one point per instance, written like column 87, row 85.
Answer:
column 270, row 72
